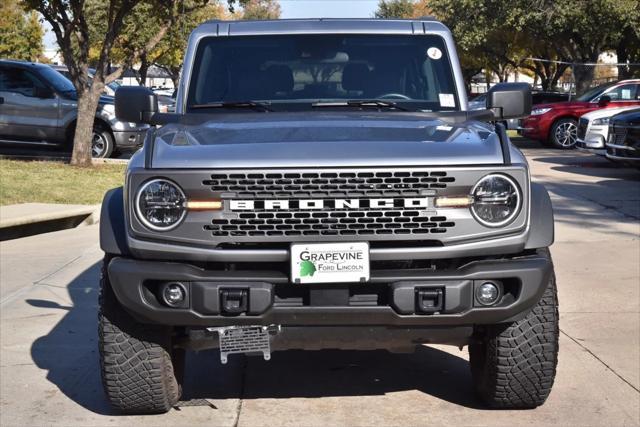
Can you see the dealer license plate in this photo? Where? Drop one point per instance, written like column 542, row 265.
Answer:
column 330, row 262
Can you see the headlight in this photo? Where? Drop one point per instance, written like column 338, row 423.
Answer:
column 109, row 109
column 601, row 122
column 496, row 200
column 160, row 205
column 538, row 111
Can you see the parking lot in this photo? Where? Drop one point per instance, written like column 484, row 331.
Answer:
column 49, row 369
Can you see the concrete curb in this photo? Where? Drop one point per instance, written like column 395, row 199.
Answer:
column 27, row 219
column 109, row 161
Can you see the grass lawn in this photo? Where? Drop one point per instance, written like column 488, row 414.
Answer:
column 56, row 182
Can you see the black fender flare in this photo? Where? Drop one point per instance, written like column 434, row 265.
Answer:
column 541, row 229
column 113, row 231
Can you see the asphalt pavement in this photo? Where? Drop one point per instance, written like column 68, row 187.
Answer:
column 49, row 359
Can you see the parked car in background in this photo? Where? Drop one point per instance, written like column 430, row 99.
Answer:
column 165, row 103
column 556, row 124
column 623, row 143
column 109, row 89
column 38, row 106
column 479, row 103
column 593, row 129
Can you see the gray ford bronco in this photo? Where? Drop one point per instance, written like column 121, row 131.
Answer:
column 322, row 185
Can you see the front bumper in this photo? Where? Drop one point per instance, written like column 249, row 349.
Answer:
column 388, row 299
column 591, row 146
column 129, row 139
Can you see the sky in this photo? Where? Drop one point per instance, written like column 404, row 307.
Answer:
column 296, row 9
column 328, row 8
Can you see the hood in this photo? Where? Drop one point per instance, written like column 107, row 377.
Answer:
column 106, row 99
column 606, row 112
column 627, row 118
column 320, row 139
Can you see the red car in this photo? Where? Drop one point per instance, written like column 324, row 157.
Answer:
column 556, row 124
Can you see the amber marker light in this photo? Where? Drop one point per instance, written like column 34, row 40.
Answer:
column 453, row 202
column 204, row 205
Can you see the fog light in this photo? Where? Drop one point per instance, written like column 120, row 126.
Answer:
column 174, row 294
column 487, row 293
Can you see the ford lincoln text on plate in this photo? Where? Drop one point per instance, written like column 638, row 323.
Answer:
column 322, row 185
column 556, row 124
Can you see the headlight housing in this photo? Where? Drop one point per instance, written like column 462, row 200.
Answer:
column 160, row 205
column 539, row 111
column 496, row 200
column 601, row 122
column 109, row 109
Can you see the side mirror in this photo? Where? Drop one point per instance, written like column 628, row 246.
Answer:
column 604, row 100
column 509, row 100
column 136, row 104
column 43, row 92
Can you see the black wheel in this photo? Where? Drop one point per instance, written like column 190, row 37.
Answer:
column 514, row 365
column 102, row 144
column 564, row 134
column 140, row 371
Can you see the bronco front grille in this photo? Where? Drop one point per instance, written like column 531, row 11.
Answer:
column 329, row 184
column 330, row 223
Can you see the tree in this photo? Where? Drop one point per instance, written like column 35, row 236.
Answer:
column 577, row 31
column 395, row 9
column 70, row 23
column 260, row 9
column 20, row 32
column 169, row 53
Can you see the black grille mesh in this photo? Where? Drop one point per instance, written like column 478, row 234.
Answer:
column 338, row 184
column 334, row 223
column 617, row 136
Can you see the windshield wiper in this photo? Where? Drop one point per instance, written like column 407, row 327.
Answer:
column 256, row 105
column 362, row 103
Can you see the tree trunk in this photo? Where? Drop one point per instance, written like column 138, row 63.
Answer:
column 175, row 79
column 143, row 71
column 583, row 76
column 87, row 106
column 622, row 52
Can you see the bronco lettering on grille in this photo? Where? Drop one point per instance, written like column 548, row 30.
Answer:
column 338, row 204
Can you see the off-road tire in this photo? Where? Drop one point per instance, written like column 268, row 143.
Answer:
column 514, row 365
column 138, row 373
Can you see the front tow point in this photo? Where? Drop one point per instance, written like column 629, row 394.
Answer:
column 429, row 301
column 233, row 301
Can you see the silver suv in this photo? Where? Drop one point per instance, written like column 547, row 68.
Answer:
column 323, row 185
column 38, row 106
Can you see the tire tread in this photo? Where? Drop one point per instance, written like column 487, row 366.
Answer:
column 515, row 364
column 135, row 359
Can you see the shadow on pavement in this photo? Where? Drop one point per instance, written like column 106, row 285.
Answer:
column 70, row 355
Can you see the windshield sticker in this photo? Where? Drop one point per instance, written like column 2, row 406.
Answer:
column 447, row 100
column 434, row 53
column 444, row 128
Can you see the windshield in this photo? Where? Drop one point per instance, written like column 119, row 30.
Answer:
column 593, row 93
column 307, row 70
column 59, row 82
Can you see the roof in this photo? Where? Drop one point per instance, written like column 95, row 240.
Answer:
column 322, row 25
column 22, row 63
